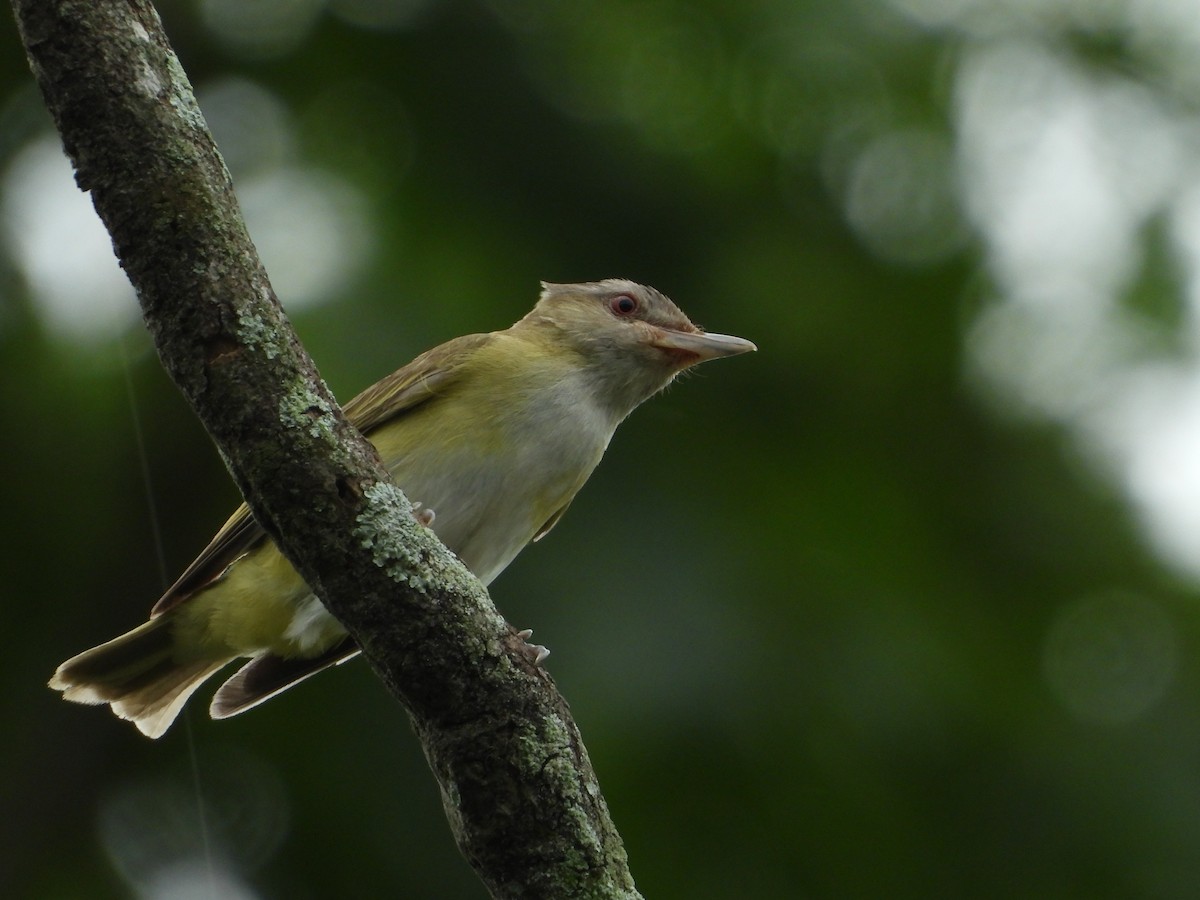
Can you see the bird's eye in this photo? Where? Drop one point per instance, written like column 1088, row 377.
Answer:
column 623, row 305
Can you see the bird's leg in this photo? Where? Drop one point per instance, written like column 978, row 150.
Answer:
column 423, row 516
column 535, row 653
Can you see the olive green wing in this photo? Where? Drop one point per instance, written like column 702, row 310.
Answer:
column 551, row 522
column 236, row 537
column 427, row 376
column 415, row 384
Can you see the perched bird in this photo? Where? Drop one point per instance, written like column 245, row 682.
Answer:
column 495, row 433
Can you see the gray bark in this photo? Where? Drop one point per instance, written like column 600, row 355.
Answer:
column 518, row 789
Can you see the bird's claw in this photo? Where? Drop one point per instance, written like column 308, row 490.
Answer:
column 423, row 516
column 535, row 653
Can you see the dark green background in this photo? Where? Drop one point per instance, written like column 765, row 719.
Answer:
column 802, row 610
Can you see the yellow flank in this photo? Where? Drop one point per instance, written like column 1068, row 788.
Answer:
column 252, row 609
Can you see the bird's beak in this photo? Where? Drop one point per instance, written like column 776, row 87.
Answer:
column 699, row 346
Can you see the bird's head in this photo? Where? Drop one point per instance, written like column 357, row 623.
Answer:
column 632, row 338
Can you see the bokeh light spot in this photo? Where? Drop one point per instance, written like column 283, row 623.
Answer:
column 1110, row 659
column 1066, row 168
column 250, row 124
column 311, row 230
column 171, row 839
column 260, row 29
column 902, row 200
column 62, row 248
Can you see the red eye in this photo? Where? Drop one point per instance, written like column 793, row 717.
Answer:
column 623, row 305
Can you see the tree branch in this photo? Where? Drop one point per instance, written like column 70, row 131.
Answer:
column 519, row 791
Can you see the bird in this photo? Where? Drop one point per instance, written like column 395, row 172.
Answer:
column 491, row 435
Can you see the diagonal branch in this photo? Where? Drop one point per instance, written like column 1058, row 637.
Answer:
column 516, row 782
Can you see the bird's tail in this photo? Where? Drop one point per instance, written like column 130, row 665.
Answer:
column 138, row 675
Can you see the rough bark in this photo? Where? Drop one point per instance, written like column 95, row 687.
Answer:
column 518, row 789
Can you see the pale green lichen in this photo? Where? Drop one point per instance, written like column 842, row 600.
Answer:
column 254, row 332
column 407, row 553
column 377, row 531
column 304, row 408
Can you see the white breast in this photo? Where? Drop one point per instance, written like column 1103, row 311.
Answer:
column 490, row 503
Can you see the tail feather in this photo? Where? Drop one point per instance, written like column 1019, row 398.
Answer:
column 138, row 675
column 267, row 675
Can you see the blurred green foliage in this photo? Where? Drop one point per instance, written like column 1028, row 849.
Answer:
column 834, row 621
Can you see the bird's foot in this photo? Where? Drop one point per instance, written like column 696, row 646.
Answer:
column 535, row 653
column 423, row 516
